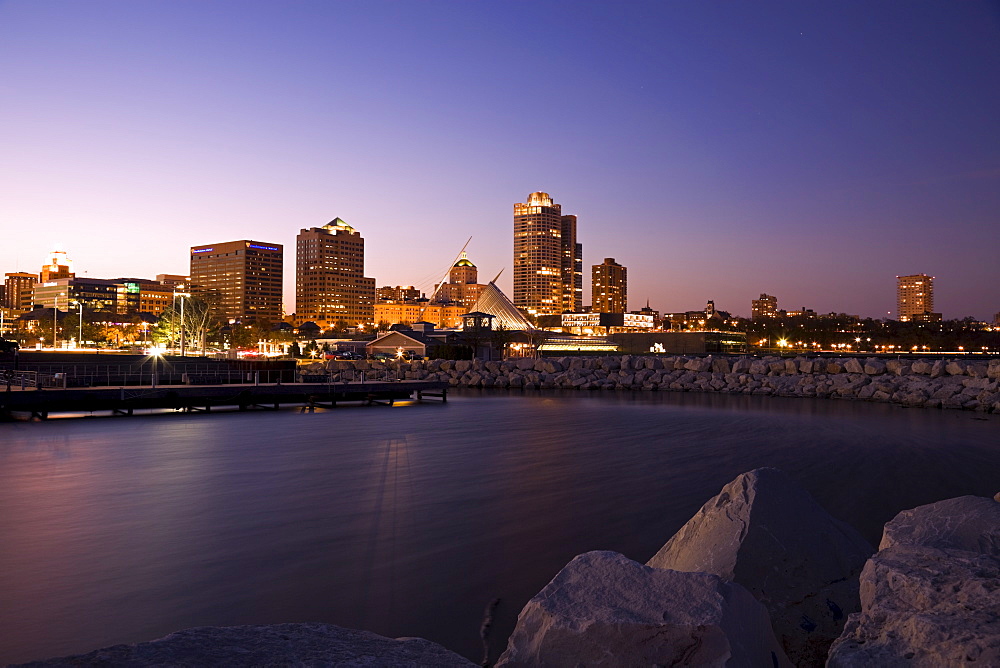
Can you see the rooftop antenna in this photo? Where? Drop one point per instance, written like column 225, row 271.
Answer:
column 444, row 278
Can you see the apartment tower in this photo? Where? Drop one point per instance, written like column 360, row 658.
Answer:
column 765, row 307
column 241, row 279
column 914, row 297
column 609, row 287
column 548, row 261
column 330, row 281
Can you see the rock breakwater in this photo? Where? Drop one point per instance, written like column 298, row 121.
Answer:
column 954, row 383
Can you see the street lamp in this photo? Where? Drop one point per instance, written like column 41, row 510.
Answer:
column 182, row 295
column 79, row 340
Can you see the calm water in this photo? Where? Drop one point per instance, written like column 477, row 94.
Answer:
column 410, row 520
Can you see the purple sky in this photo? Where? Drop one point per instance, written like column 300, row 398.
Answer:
column 812, row 151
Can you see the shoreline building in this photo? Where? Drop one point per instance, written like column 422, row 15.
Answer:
column 915, row 299
column 548, row 261
column 609, row 285
column 241, row 279
column 330, row 281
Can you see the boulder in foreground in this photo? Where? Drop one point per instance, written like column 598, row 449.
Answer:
column 924, row 607
column 767, row 533
column 931, row 596
column 964, row 523
column 275, row 645
column 603, row 609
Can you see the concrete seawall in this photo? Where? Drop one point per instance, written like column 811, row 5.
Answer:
column 969, row 384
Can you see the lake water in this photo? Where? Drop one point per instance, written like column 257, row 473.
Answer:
column 409, row 520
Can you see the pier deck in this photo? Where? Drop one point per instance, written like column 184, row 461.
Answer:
column 189, row 398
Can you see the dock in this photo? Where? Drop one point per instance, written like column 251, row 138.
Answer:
column 41, row 402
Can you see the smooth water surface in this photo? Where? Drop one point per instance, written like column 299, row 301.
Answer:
column 409, row 520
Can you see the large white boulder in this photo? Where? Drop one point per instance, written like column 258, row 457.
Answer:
column 924, row 607
column 931, row 596
column 272, row 645
column 964, row 523
column 603, row 609
column 764, row 531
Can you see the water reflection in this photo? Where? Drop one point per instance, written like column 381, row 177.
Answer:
column 411, row 520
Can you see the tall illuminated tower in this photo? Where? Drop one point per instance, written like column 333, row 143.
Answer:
column 914, row 297
column 330, row 281
column 548, row 260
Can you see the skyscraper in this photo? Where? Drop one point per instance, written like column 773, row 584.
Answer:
column 548, row 261
column 609, row 283
column 241, row 279
column 17, row 290
column 462, row 286
column 330, row 281
column 915, row 298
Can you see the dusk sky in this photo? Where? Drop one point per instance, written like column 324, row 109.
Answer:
column 812, row 151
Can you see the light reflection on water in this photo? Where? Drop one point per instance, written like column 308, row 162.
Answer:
column 409, row 520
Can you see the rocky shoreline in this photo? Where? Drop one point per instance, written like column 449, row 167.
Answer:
column 760, row 576
column 953, row 383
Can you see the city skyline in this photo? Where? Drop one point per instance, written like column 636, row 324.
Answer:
column 812, row 153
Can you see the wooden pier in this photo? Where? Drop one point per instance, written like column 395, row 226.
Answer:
column 40, row 403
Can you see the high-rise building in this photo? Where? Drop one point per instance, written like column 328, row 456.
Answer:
column 609, row 287
column 17, row 290
column 915, row 298
column 59, row 266
column 242, row 280
column 548, row 260
column 462, row 286
column 765, row 307
column 330, row 281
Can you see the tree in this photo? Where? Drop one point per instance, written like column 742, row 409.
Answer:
column 199, row 324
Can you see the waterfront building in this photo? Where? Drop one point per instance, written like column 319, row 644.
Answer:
column 462, row 286
column 330, row 281
column 492, row 301
column 242, row 280
column 609, row 283
column 915, row 299
column 548, row 261
column 597, row 323
column 17, row 290
column 765, row 307
column 59, row 266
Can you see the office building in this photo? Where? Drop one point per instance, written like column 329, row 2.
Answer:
column 609, row 287
column 462, row 287
column 765, row 307
column 330, row 281
column 59, row 266
column 96, row 294
column 242, row 280
column 915, row 299
column 17, row 290
column 548, row 260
